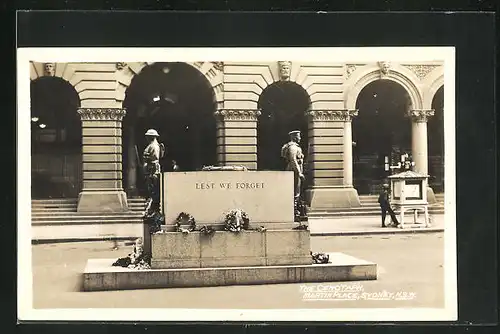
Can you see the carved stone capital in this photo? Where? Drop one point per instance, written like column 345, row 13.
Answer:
column 102, row 114
column 420, row 115
column 237, row 115
column 332, row 115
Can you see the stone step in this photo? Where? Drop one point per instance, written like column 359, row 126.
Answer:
column 53, row 205
column 85, row 221
column 55, row 200
column 40, row 210
column 86, row 216
column 358, row 214
column 366, row 208
column 100, row 275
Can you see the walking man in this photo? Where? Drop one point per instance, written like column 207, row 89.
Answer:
column 385, row 206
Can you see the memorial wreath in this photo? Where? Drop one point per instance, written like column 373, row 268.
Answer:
column 185, row 219
column 236, row 220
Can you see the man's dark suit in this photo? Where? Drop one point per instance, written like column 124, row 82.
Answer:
column 385, row 207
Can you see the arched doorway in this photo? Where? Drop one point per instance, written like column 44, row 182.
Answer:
column 178, row 101
column 435, row 130
column 56, row 139
column 283, row 107
column 380, row 129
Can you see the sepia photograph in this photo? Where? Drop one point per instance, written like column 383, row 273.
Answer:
column 237, row 184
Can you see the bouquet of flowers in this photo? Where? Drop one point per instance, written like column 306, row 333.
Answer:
column 236, row 220
column 207, row 230
column 320, row 258
column 184, row 219
column 138, row 259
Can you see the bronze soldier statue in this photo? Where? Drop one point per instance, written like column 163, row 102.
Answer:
column 151, row 158
column 292, row 153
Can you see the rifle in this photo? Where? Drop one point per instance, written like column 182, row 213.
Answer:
column 137, row 156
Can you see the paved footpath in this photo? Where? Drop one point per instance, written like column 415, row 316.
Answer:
column 368, row 225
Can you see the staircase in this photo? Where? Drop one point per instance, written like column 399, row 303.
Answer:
column 57, row 211
column 369, row 207
column 59, row 219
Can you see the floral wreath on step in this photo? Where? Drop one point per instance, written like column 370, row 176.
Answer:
column 185, row 219
column 236, row 220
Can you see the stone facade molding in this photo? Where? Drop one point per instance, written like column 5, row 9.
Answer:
column 434, row 81
column 120, row 66
column 382, row 71
column 420, row 116
column 385, row 68
column 350, row 70
column 421, row 71
column 332, row 115
column 237, row 115
column 212, row 71
column 284, row 70
column 218, row 66
column 102, row 114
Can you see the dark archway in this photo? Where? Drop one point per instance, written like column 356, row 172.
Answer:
column 283, row 107
column 380, row 128
column 435, row 130
column 177, row 100
column 56, row 139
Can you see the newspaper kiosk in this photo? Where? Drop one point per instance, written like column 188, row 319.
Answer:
column 409, row 193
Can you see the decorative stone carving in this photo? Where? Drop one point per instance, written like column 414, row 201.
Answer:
column 120, row 66
column 421, row 71
column 49, row 69
column 285, row 70
column 237, row 115
column 349, row 70
column 420, row 115
column 218, row 65
column 385, row 68
column 112, row 114
column 332, row 115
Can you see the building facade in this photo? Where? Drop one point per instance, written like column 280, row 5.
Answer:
column 88, row 122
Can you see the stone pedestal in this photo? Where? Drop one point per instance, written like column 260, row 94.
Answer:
column 102, row 161
column 229, row 249
column 332, row 197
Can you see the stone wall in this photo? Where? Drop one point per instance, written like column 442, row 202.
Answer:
column 332, row 88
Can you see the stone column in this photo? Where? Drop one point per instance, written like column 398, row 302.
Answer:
column 419, row 144
column 237, row 137
column 102, row 161
column 132, row 163
column 348, row 160
column 330, row 160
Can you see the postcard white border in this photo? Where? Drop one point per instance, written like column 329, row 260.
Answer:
column 320, row 55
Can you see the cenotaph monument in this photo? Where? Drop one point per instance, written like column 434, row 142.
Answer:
column 223, row 225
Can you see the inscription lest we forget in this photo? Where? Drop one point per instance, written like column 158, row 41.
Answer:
column 229, row 185
column 267, row 196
